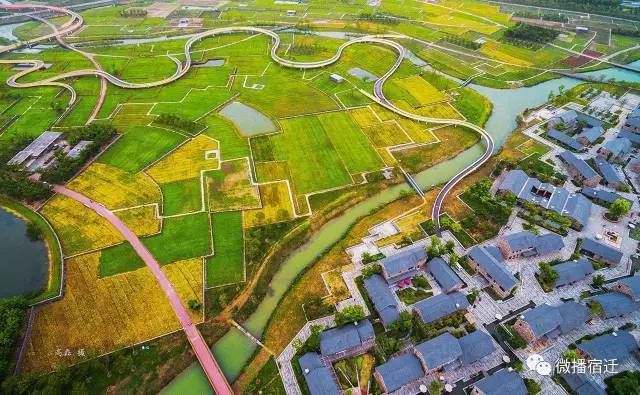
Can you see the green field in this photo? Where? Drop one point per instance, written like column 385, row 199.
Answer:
column 226, row 266
column 140, row 147
column 313, row 160
column 182, row 237
column 181, row 197
column 118, row 259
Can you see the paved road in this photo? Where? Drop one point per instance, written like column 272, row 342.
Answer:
column 199, row 346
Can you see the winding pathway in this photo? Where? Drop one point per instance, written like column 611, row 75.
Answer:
column 182, row 69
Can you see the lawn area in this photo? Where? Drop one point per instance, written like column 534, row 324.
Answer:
column 232, row 144
column 352, row 145
column 410, row 295
column 313, row 160
column 196, row 104
column 184, row 196
column 182, row 238
column 139, row 147
column 226, row 266
column 118, row 259
column 268, row 381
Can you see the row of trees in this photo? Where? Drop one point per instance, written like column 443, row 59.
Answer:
column 178, row 122
column 12, row 313
column 544, row 17
column 526, row 35
column 461, row 41
column 602, row 7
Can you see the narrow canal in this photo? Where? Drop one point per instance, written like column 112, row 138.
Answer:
column 234, row 350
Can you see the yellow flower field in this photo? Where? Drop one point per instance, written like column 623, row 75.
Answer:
column 187, row 161
column 103, row 315
column 80, row 229
column 141, row 220
column 272, row 171
column 492, row 49
column 276, row 206
column 116, row 188
column 421, row 90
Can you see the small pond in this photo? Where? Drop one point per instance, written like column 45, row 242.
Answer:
column 211, row 63
column 24, row 263
column 364, row 75
column 6, row 31
column 249, row 121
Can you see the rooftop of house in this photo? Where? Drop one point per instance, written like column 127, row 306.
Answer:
column 618, row 345
column 566, row 116
column 633, row 122
column 615, row 304
column 574, row 206
column 439, row 351
column 475, row 345
column 441, row 305
column 572, row 271
column 598, row 248
column 345, row 337
column 565, row 139
column 578, row 164
column 618, row 146
column 383, row 299
column 607, row 171
column 35, row 148
column 318, row 377
column 582, row 384
column 600, row 194
column 631, row 136
column 445, row 276
column 502, row 382
column 591, row 134
column 554, row 320
column 633, row 283
column 400, row 370
column 490, row 259
column 402, row 262
column 526, row 240
column 78, row 148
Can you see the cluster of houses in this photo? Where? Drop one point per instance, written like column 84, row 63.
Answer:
column 41, row 152
column 539, row 326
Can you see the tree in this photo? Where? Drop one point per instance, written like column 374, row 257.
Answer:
column 598, row 281
column 194, row 305
column 349, row 314
column 436, row 387
column 619, row 208
column 548, row 275
column 570, row 355
column 448, row 247
column 623, row 383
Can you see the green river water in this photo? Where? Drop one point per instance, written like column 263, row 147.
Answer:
column 234, row 350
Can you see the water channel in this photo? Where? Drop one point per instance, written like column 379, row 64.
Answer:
column 23, row 263
column 234, row 350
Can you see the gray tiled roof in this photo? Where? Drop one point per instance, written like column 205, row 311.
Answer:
column 566, row 116
column 618, row 346
column 578, row 208
column 549, row 242
column 565, row 139
column 502, row 382
column 77, row 150
column 383, row 299
column 486, row 258
column 607, row 171
column 445, row 276
column 475, row 346
column 554, row 320
column 439, row 351
column 572, row 271
column 618, row 146
column 441, row 305
column 591, row 134
column 345, row 337
column 633, row 137
column 600, row 194
column 633, row 283
column 35, row 148
column 400, row 370
column 318, row 377
column 601, row 249
column 399, row 263
column 580, row 165
column 521, row 240
column 582, row 384
column 616, row 304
